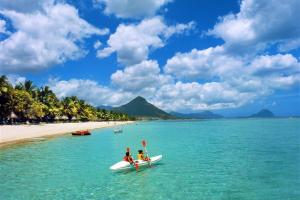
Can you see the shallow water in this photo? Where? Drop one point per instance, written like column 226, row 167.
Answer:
column 209, row 159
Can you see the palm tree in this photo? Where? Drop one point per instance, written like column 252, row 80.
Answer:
column 70, row 107
column 52, row 106
column 27, row 85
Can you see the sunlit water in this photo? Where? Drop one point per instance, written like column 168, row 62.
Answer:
column 209, row 159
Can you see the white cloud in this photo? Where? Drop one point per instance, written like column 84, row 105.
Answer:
column 35, row 45
column 132, row 8
column 251, row 77
column 143, row 77
column 89, row 90
column 14, row 79
column 133, row 42
column 283, row 82
column 97, row 44
column 215, row 62
column 279, row 64
column 194, row 96
column 289, row 45
column 261, row 22
column 203, row 64
column 3, row 26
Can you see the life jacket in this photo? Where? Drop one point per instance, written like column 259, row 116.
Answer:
column 140, row 156
column 128, row 159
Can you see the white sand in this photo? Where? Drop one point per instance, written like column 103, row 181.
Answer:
column 13, row 133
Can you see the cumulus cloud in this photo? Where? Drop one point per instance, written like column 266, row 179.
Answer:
column 194, row 96
column 88, row 90
column 143, row 77
column 253, row 77
column 34, row 45
column 133, row 42
column 203, row 64
column 259, row 23
column 279, row 64
column 215, row 62
column 132, row 8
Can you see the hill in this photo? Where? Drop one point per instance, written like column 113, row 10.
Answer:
column 139, row 107
column 200, row 115
column 264, row 113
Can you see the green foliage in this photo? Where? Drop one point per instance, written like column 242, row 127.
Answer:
column 36, row 110
column 5, row 97
column 41, row 104
column 21, row 103
column 52, row 106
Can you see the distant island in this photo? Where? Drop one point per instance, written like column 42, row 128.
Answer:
column 199, row 115
column 264, row 113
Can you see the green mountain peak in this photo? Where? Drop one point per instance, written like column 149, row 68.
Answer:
column 140, row 107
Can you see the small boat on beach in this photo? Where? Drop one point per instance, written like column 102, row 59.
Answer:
column 81, row 133
column 124, row 165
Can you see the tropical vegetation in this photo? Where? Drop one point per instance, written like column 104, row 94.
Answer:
column 25, row 102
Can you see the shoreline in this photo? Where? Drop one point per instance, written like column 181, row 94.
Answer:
column 14, row 134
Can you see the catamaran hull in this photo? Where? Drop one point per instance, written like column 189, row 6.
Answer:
column 123, row 165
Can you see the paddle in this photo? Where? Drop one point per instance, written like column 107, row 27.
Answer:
column 136, row 165
column 144, row 145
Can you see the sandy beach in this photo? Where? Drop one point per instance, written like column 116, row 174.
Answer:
column 14, row 133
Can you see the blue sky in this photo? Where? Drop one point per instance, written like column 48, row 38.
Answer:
column 232, row 57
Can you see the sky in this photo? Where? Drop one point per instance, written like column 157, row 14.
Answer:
column 233, row 57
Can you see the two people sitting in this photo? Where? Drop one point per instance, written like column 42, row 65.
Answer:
column 140, row 156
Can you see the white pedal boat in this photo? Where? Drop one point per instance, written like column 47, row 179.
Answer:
column 124, row 165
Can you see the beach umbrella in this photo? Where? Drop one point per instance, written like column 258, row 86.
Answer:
column 12, row 115
column 64, row 117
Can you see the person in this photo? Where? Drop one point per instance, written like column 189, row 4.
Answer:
column 140, row 156
column 128, row 157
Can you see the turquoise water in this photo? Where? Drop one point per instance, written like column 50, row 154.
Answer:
column 212, row 159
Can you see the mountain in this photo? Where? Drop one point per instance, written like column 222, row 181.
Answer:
column 200, row 115
column 264, row 113
column 139, row 107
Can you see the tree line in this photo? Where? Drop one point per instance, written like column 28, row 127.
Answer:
column 25, row 102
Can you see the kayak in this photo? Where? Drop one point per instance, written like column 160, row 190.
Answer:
column 124, row 165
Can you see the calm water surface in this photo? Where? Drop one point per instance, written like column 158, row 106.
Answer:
column 209, row 159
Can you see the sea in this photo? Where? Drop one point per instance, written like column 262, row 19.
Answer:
column 222, row 159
